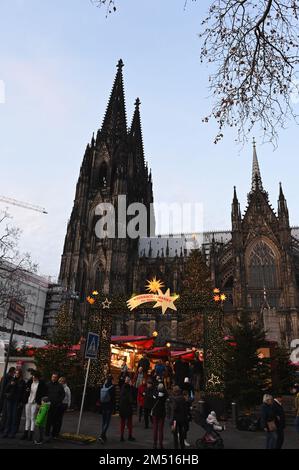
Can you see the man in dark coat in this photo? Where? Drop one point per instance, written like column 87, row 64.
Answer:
column 13, row 393
column 181, row 370
column 280, row 420
column 55, row 393
column 4, row 382
column 179, row 417
column 126, row 401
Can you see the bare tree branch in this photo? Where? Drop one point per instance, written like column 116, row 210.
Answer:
column 252, row 48
column 14, row 267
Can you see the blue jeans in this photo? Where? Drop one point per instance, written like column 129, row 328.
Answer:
column 271, row 438
column 106, row 417
column 297, row 423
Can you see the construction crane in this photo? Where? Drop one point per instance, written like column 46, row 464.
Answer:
column 14, row 202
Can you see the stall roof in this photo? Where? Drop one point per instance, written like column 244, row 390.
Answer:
column 138, row 342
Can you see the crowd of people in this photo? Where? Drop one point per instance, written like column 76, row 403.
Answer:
column 273, row 420
column 164, row 393
column 44, row 404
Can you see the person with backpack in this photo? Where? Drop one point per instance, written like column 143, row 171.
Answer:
column 107, row 403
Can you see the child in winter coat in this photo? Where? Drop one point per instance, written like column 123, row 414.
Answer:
column 212, row 421
column 41, row 419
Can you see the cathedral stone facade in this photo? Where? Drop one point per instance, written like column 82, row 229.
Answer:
column 256, row 263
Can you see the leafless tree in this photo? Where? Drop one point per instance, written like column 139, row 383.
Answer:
column 13, row 266
column 251, row 47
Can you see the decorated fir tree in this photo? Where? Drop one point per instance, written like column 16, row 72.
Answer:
column 64, row 332
column 195, row 295
column 247, row 375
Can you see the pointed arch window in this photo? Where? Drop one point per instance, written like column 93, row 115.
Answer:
column 99, row 279
column 263, row 267
column 103, row 174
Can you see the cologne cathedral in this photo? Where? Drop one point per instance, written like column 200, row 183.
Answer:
column 256, row 263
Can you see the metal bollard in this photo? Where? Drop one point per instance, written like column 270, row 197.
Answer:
column 234, row 414
column 201, row 407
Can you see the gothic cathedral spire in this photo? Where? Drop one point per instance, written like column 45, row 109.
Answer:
column 115, row 120
column 256, row 181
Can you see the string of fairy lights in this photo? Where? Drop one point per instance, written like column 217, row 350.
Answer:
column 100, row 322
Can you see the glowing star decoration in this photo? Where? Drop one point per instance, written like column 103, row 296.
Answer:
column 95, row 292
column 164, row 301
column 217, row 298
column 214, row 380
column 154, row 285
column 222, row 297
column 216, row 290
column 106, row 303
column 90, row 300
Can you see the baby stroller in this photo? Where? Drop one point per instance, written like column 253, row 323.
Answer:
column 211, row 439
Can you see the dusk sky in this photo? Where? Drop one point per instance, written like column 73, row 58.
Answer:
column 58, row 62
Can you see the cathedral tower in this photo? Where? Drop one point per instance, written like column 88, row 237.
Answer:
column 113, row 166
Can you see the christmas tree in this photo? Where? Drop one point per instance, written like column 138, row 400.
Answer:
column 64, row 332
column 247, row 376
column 196, row 294
column 58, row 356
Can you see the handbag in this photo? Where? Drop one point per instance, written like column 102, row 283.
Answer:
column 271, row 426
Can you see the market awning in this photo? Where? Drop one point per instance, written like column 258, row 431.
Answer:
column 136, row 342
column 158, row 353
column 186, row 355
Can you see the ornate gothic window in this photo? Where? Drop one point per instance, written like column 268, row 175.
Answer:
column 262, row 267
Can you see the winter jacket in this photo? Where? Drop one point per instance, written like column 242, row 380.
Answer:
column 188, row 388
column 160, row 370
column 179, row 410
column 126, row 401
column 141, row 394
column 148, row 398
column 10, row 391
column 40, row 392
column 55, row 393
column 280, row 415
column 212, row 421
column 109, row 405
column 267, row 414
column 138, row 378
column 159, row 407
column 144, row 363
